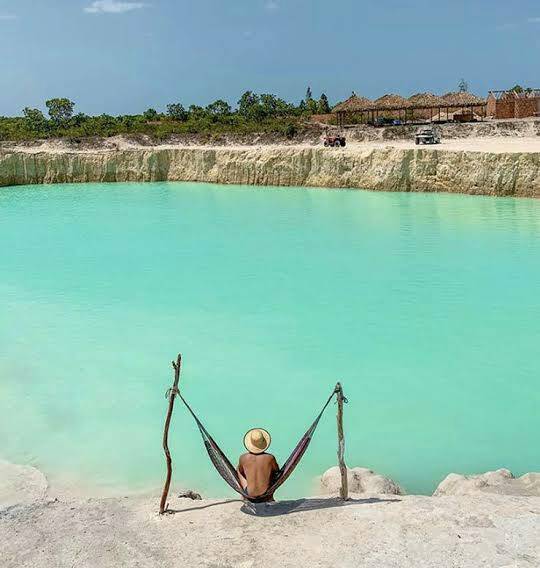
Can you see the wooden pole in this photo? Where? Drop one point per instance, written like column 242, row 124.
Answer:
column 344, row 491
column 171, row 394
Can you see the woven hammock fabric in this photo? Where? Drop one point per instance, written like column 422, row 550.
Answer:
column 228, row 472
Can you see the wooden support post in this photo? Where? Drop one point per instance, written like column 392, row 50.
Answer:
column 171, row 395
column 344, row 491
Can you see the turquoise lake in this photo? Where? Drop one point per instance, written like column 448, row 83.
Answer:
column 426, row 307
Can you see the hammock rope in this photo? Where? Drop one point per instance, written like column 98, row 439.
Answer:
column 228, row 472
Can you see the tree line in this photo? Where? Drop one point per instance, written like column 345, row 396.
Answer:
column 254, row 112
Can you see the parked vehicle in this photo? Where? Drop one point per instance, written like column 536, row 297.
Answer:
column 428, row 135
column 383, row 121
column 335, row 140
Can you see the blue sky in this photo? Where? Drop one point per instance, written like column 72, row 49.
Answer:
column 124, row 56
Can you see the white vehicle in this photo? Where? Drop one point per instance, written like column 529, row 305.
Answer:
column 428, row 135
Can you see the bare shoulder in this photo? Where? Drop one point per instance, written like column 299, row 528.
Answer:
column 273, row 461
column 244, row 457
column 269, row 458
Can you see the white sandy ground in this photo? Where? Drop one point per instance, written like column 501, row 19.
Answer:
column 42, row 530
column 495, row 145
column 492, row 145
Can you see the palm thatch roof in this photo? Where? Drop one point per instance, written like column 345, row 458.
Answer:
column 391, row 102
column 426, row 100
column 353, row 104
column 462, row 99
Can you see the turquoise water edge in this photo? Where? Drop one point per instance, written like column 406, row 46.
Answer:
column 426, row 307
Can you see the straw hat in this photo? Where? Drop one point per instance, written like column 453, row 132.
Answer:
column 257, row 440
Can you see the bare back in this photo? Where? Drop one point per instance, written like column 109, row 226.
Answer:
column 257, row 470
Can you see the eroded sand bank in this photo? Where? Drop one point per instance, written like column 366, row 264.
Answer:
column 490, row 166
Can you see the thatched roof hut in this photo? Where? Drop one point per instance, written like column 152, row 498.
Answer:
column 390, row 102
column 353, row 104
column 426, row 100
column 462, row 99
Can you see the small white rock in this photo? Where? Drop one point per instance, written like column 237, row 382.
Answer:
column 20, row 484
column 501, row 481
column 360, row 480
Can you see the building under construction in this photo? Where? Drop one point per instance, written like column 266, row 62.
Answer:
column 513, row 104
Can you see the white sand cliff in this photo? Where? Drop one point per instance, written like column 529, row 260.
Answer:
column 40, row 529
column 483, row 166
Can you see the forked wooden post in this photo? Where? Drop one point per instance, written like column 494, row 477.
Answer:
column 344, row 491
column 171, row 395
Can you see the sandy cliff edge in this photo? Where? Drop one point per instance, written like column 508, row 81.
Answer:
column 367, row 166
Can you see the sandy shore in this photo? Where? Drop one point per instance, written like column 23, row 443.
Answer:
column 376, row 532
column 41, row 529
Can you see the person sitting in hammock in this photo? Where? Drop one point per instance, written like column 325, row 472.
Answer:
column 257, row 469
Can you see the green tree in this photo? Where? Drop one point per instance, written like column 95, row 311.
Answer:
column 219, row 108
column 463, row 86
column 107, row 122
column 517, row 89
column 60, row 110
column 312, row 106
column 79, row 119
column 35, row 120
column 176, row 111
column 274, row 106
column 324, row 106
column 127, row 121
column 248, row 103
column 197, row 112
column 150, row 114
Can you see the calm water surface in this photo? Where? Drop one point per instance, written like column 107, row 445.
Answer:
column 426, row 307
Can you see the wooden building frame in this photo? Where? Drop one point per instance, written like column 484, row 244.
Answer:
column 370, row 111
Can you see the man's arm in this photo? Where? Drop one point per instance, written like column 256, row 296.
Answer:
column 275, row 470
column 241, row 473
column 275, row 466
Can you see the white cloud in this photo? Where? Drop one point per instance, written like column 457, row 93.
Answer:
column 534, row 20
column 8, row 17
column 113, row 7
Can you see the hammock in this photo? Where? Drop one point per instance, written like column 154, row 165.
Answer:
column 228, row 472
